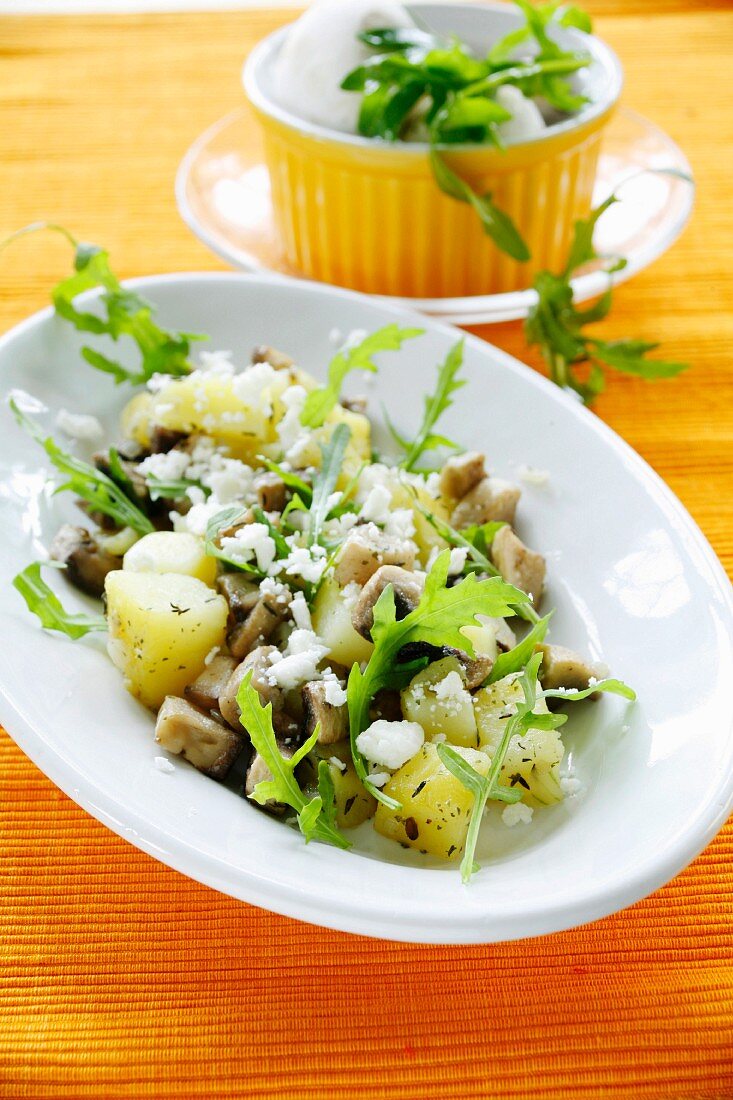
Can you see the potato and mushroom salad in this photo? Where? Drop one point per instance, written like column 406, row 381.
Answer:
column 363, row 637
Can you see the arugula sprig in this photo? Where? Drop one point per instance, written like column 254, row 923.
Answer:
column 46, row 606
column 485, row 787
column 437, row 620
column 324, row 481
column 91, row 485
column 321, row 401
column 515, row 659
column 125, row 313
column 315, row 815
column 436, row 403
column 221, row 521
column 575, row 359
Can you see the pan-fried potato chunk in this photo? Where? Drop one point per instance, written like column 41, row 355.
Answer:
column 331, row 615
column 436, row 807
column 437, row 700
column 171, row 552
column 162, row 626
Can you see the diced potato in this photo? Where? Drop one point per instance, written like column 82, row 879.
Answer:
column 359, row 449
column 532, row 761
column 426, row 537
column 162, row 626
column 435, row 806
column 331, row 615
column 354, row 805
column 438, row 701
column 135, row 419
column 171, row 552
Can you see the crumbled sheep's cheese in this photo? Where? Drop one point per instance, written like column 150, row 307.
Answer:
column 251, row 540
column 270, row 587
column 390, row 744
column 216, row 362
column 300, row 612
column 400, row 524
column 232, row 482
column 298, row 662
column 292, row 434
column 335, row 695
column 532, row 476
column 458, row 557
column 254, row 385
column 337, row 763
column 451, row 692
column 79, row 426
column 517, row 814
column 350, row 594
column 197, row 518
column 306, row 562
column 377, row 504
column 163, row 764
column 165, row 467
column 378, row 779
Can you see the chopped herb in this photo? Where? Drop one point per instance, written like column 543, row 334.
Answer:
column 125, row 313
column 174, row 489
column 46, row 606
column 321, row 401
column 315, row 815
column 435, row 405
column 515, row 659
column 437, row 620
column 101, row 492
column 324, row 480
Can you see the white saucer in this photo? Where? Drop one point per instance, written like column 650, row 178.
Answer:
column 223, row 195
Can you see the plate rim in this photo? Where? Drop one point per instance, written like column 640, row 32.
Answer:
column 353, row 916
column 512, row 305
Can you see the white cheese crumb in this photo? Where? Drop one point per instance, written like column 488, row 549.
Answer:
column 378, row 779
column 252, row 387
column 450, row 689
column 400, row 523
column 458, row 557
column 390, row 744
column 79, row 426
column 211, row 654
column 337, row 763
column 298, row 662
column 569, row 785
column 163, row 764
column 335, row 695
column 517, row 814
column 350, row 594
column 532, row 476
column 251, row 540
column 300, row 612
column 376, row 506
column 280, row 592
column 302, row 562
column 165, row 467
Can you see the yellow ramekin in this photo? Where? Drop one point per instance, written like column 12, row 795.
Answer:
column 367, row 214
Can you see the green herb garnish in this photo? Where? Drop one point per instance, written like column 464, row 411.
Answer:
column 228, row 517
column 99, row 491
column 320, row 402
column 556, row 325
column 515, row 659
column 437, row 620
column 436, row 404
column 125, row 313
column 47, row 607
column 324, row 481
column 315, row 815
column 172, row 489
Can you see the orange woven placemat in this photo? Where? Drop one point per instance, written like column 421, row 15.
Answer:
column 120, row 978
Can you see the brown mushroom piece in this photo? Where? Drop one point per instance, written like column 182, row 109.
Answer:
column 258, row 663
column 260, row 624
column 259, row 772
column 240, row 593
column 271, row 491
column 491, row 500
column 407, row 588
column 278, row 360
column 365, row 549
column 475, row 669
column 205, row 690
column 461, row 473
column 562, row 668
column 182, row 729
column 518, row 564
column 163, row 440
column 332, row 720
column 87, row 564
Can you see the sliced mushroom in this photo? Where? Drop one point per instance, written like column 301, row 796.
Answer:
column 278, row 360
column 261, row 623
column 163, row 440
column 386, row 705
column 333, row 721
column 517, row 564
column 490, row 500
column 407, row 587
column 365, row 549
column 462, row 473
column 258, row 772
column 210, row 746
column 506, row 639
column 475, row 669
column 205, row 690
column 87, row 564
column 562, row 668
column 271, row 492
column 240, row 593
column 259, row 664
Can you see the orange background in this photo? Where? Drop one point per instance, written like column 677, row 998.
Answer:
column 120, row 978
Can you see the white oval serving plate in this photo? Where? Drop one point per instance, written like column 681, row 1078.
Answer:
column 223, row 195
column 633, row 579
